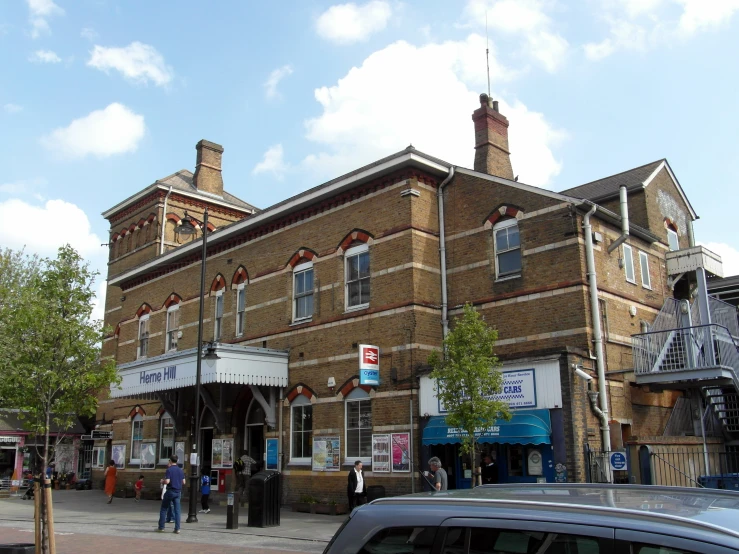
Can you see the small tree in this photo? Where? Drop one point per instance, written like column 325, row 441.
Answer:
column 467, row 377
column 50, row 368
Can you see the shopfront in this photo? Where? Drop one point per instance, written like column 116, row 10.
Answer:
column 11, row 455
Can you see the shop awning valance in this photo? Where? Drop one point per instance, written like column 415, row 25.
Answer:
column 526, row 427
column 235, row 364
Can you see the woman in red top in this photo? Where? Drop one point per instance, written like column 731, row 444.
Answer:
column 110, row 479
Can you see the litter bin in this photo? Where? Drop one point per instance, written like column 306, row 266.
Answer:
column 17, row 548
column 728, row 481
column 265, row 494
column 374, row 492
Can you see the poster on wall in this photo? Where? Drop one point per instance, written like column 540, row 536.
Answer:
column 179, row 450
column 401, row 444
column 223, row 453
column 148, row 455
column 119, row 455
column 272, row 454
column 326, row 454
column 381, row 453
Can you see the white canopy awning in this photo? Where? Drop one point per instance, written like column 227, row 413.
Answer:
column 235, row 364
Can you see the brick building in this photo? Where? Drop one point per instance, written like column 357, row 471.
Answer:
column 385, row 256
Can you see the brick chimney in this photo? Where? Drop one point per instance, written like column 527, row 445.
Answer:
column 207, row 176
column 491, row 139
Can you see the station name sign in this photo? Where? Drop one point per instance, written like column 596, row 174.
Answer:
column 168, row 373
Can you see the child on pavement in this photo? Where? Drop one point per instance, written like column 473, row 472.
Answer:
column 205, row 490
column 139, row 486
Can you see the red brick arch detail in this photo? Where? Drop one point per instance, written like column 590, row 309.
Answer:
column 303, row 253
column 117, row 331
column 123, row 233
column 114, row 237
column 218, row 283
column 143, row 310
column 140, row 224
column 348, row 387
column 151, row 218
column 137, row 409
column 670, row 224
column 132, row 228
column 172, row 299
column 510, row 211
column 174, row 217
column 299, row 389
column 240, row 276
column 357, row 235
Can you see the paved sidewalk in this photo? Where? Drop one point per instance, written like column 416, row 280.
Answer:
column 84, row 522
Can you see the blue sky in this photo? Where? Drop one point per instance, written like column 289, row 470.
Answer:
column 99, row 98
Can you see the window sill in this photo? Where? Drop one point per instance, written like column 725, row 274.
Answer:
column 632, row 283
column 646, row 287
column 356, row 308
column 508, row 278
column 301, row 321
column 300, row 463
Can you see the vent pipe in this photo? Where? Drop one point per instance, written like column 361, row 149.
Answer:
column 624, row 220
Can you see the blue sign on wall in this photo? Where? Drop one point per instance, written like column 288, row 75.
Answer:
column 369, row 377
column 272, row 454
column 618, row 461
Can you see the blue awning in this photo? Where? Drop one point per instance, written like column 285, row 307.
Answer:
column 525, row 427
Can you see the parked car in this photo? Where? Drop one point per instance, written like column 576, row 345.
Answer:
column 546, row 519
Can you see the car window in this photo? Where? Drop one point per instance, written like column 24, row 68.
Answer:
column 485, row 540
column 657, row 549
column 401, row 540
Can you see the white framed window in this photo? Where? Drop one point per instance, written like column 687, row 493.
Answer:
column 303, row 291
column 98, row 457
column 218, row 326
column 507, row 248
column 166, row 438
column 357, row 264
column 173, row 327
column 137, row 437
column 240, row 309
column 142, row 350
column 672, row 239
column 646, row 282
column 301, row 430
column 358, row 420
column 629, row 264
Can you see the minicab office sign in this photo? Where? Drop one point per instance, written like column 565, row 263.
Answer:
column 369, row 365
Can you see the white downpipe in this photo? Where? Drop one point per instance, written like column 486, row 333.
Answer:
column 280, row 437
column 602, row 413
column 442, row 253
column 164, row 221
column 624, row 220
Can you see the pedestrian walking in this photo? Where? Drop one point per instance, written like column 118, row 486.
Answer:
column 174, row 479
column 356, row 488
column 110, row 479
column 489, row 471
column 438, row 473
column 242, row 467
column 205, row 491
column 138, row 487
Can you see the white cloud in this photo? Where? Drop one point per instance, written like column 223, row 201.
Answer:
column 38, row 13
column 729, row 256
column 273, row 162
column 137, row 62
column 89, row 34
column 101, row 133
column 270, row 85
column 625, row 35
column 524, row 19
column 24, row 186
column 12, row 108
column 363, row 119
column 699, row 15
column 349, row 23
column 44, row 56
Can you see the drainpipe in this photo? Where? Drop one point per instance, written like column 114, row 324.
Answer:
column 691, row 234
column 164, row 221
column 602, row 411
column 279, row 440
column 624, row 220
column 442, row 253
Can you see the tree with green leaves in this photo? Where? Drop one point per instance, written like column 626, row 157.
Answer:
column 467, row 377
column 50, row 365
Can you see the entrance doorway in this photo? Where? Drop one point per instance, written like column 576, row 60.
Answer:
column 206, row 448
column 7, row 461
column 254, row 434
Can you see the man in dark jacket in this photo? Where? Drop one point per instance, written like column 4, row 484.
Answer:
column 489, row 471
column 356, row 488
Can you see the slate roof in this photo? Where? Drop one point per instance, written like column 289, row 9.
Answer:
column 183, row 180
column 608, row 186
column 9, row 421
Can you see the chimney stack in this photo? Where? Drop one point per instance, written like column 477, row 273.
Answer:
column 491, row 139
column 207, row 176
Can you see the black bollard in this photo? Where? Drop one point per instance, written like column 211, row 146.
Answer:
column 232, row 512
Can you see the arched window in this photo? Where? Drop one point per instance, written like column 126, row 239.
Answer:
column 507, row 248
column 240, row 309
column 166, row 437
column 303, row 291
column 301, row 430
column 137, row 438
column 358, row 420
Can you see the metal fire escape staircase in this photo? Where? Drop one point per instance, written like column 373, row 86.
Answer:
column 694, row 346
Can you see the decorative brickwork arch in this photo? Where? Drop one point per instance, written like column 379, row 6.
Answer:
column 299, row 389
column 218, row 283
column 117, row 331
column 302, row 255
column 670, row 224
column 143, row 310
column 172, row 300
column 114, row 237
column 352, row 384
column 137, row 409
column 240, row 276
column 174, row 217
column 356, row 236
column 501, row 212
column 151, row 218
column 141, row 223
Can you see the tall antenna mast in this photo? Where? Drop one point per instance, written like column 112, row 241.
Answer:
column 487, row 51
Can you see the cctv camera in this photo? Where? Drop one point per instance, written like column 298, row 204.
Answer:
column 582, row 375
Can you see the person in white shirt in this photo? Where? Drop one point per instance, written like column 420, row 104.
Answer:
column 356, row 488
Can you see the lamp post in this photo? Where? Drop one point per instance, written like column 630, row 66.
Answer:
column 187, row 228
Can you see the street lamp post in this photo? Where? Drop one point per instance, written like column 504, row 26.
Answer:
column 187, row 228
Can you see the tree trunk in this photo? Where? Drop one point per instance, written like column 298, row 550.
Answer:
column 47, row 515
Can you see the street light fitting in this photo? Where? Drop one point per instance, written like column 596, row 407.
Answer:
column 185, row 226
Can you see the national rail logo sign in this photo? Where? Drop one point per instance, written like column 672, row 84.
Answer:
column 369, row 365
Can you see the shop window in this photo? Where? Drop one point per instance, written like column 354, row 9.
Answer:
column 143, row 347
column 357, row 264
column 166, row 447
column 303, row 291
column 507, row 248
column 629, row 264
column 173, row 327
column 218, row 326
column 240, row 309
column 358, row 426
column 137, row 437
column 516, row 460
column 301, row 443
